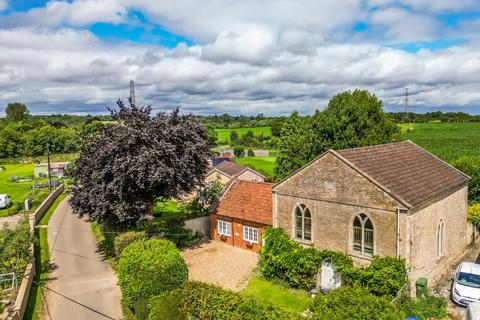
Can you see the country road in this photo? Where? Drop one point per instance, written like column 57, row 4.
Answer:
column 85, row 285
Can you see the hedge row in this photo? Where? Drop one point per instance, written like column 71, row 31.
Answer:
column 287, row 260
column 150, row 267
column 197, row 300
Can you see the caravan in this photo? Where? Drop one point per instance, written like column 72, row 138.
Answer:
column 4, row 201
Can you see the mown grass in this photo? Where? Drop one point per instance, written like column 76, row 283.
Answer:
column 42, row 269
column 46, row 217
column 264, row 165
column 18, row 191
column 167, row 211
column 224, row 134
column 268, row 292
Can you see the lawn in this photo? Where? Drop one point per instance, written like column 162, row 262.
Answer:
column 167, row 210
column 51, row 209
column 18, row 191
column 224, row 134
column 449, row 141
column 263, row 165
column 264, row 291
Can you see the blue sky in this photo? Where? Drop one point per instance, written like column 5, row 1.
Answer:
column 214, row 56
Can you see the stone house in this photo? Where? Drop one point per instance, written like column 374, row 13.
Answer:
column 225, row 171
column 390, row 200
column 57, row 169
column 242, row 214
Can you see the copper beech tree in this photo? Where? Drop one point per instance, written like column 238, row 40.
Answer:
column 123, row 167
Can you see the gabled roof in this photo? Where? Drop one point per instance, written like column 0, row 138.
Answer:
column 247, row 200
column 405, row 171
column 230, row 168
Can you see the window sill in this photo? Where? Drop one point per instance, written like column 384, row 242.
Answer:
column 305, row 242
column 359, row 256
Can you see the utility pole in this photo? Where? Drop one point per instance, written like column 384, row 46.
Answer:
column 48, row 170
column 132, row 92
column 406, row 118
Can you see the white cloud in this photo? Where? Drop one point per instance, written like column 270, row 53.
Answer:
column 3, row 4
column 75, row 70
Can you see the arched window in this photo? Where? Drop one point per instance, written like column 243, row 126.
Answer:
column 440, row 239
column 303, row 223
column 363, row 235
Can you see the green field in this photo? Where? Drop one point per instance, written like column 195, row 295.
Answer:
column 18, row 191
column 224, row 134
column 449, row 141
column 264, row 165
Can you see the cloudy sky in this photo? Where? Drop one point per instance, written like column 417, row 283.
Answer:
column 248, row 56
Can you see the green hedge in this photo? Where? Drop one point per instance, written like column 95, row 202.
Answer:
column 150, row 267
column 287, row 260
column 126, row 238
column 353, row 303
column 426, row 308
column 202, row 301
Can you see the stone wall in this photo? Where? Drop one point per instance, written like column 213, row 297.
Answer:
column 200, row 226
column 249, row 175
column 423, row 229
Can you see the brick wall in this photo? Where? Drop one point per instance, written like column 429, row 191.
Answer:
column 236, row 239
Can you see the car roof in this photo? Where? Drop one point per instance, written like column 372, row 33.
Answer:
column 470, row 267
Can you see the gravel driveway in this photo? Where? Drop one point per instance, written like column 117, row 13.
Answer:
column 217, row 263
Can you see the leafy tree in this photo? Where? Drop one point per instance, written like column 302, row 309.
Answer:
column 125, row 166
column 211, row 136
column 16, row 112
column 200, row 205
column 15, row 248
column 291, row 147
column 276, row 127
column 233, row 136
column 351, row 119
column 471, row 166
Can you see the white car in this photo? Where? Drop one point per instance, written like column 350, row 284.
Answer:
column 4, row 201
column 466, row 284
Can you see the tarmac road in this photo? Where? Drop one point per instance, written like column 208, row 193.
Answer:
column 86, row 285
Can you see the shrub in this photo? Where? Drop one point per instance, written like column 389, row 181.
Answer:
column 287, row 260
column 15, row 248
column 150, row 267
column 426, row 308
column 250, row 153
column 126, row 238
column 353, row 303
column 179, row 235
column 202, row 301
column 14, row 208
column 385, row 276
column 473, row 214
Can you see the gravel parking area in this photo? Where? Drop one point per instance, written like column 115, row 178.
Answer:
column 444, row 286
column 217, row 263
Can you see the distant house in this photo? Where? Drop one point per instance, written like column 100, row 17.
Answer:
column 242, row 214
column 388, row 200
column 225, row 171
column 57, row 169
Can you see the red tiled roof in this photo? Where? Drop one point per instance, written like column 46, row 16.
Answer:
column 406, row 170
column 247, row 200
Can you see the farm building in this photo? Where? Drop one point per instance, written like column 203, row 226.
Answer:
column 227, row 170
column 242, row 214
column 389, row 200
column 57, row 169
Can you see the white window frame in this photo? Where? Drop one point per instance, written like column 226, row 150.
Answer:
column 250, row 231
column 223, row 227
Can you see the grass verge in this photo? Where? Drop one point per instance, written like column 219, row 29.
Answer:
column 42, row 269
column 106, row 242
column 46, row 217
column 268, row 292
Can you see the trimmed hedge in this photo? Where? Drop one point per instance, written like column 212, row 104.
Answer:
column 426, row 308
column 198, row 300
column 353, row 303
column 126, row 238
column 287, row 260
column 150, row 267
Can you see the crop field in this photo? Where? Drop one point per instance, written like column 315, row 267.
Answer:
column 224, row 134
column 448, row 141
